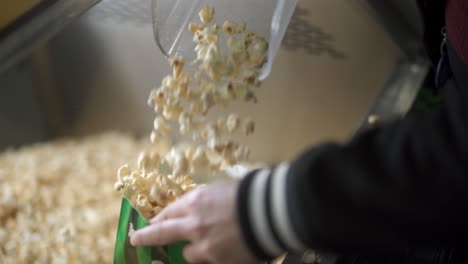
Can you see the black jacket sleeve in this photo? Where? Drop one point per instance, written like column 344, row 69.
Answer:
column 404, row 184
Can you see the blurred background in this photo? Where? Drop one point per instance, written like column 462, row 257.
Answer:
column 93, row 73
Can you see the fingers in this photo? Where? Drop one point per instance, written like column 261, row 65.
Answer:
column 184, row 206
column 196, row 253
column 163, row 233
column 176, row 209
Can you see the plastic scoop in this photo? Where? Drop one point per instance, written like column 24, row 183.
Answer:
column 266, row 18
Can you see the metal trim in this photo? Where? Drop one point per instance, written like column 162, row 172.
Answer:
column 18, row 44
column 398, row 94
column 405, row 81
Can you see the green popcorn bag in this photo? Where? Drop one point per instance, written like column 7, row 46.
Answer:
column 125, row 253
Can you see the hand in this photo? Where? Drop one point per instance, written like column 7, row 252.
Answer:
column 205, row 217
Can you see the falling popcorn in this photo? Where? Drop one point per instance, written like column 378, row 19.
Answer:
column 225, row 71
column 206, row 14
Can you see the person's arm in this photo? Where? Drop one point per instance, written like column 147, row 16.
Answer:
column 401, row 185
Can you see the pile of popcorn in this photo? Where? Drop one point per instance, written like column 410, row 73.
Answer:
column 225, row 71
column 57, row 204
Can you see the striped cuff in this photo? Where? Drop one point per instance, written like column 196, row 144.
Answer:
column 264, row 215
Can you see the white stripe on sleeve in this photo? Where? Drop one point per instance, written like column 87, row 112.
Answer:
column 258, row 214
column 280, row 213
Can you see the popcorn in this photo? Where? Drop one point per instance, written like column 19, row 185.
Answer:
column 71, row 216
column 172, row 112
column 242, row 153
column 258, row 53
column 209, row 132
column 143, row 163
column 180, row 166
column 225, row 71
column 213, row 62
column 206, row 15
column 118, row 186
column 195, row 27
column 157, row 195
column 143, row 205
column 170, row 81
column 200, row 158
column 209, row 35
column 161, row 126
column 177, row 66
column 155, row 137
column 156, row 97
column 232, row 123
column 238, row 50
column 207, row 101
column 185, row 123
column 123, row 172
column 232, row 28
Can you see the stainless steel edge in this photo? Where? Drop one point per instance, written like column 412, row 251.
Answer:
column 398, row 94
column 39, row 29
column 402, row 20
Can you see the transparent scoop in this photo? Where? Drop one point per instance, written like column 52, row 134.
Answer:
column 267, row 18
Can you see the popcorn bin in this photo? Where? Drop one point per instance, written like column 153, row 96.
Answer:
column 268, row 18
column 124, row 253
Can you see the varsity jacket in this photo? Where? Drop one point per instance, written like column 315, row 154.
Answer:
column 397, row 186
